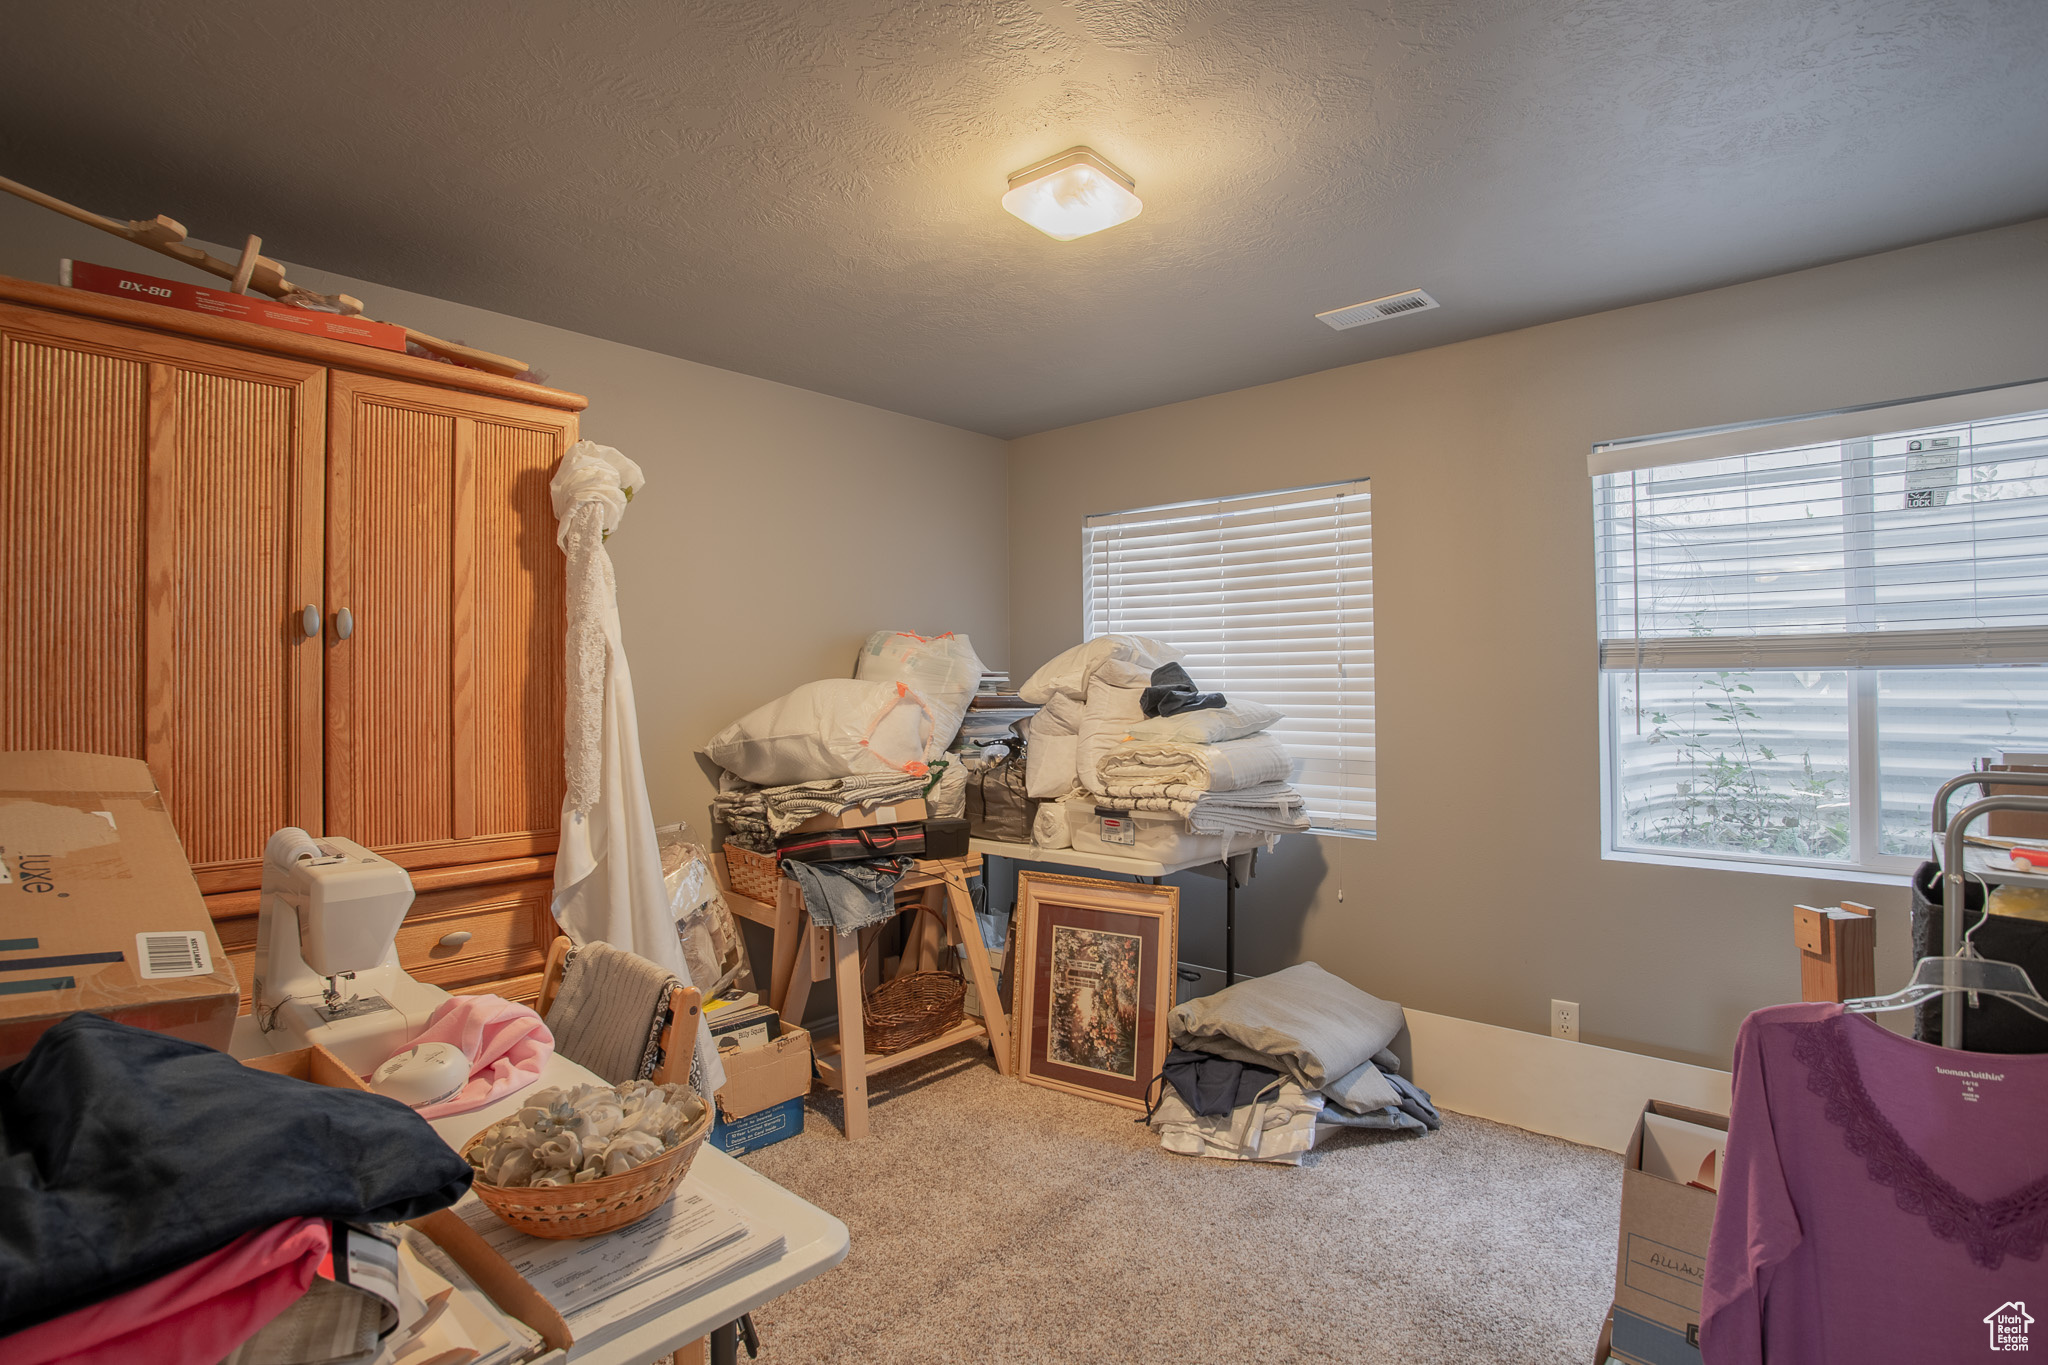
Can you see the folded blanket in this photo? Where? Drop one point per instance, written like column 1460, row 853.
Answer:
column 1277, row 1127
column 1231, row 766
column 754, row 816
column 1311, row 1024
column 1271, row 808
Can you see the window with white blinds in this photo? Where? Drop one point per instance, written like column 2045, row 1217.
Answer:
column 1799, row 644
column 1270, row 598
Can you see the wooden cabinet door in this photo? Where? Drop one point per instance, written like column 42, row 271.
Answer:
column 444, row 704
column 161, row 505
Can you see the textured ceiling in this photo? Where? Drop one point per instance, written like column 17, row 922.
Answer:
column 808, row 192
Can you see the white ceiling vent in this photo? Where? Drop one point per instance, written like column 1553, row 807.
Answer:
column 1378, row 310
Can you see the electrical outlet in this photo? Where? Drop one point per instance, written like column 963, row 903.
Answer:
column 1564, row 1019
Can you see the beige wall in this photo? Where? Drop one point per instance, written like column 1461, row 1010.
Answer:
column 1485, row 895
column 777, row 529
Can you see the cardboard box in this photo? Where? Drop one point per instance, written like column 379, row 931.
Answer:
column 898, row 813
column 98, row 908
column 220, row 303
column 315, row 1064
column 492, row 1273
column 762, row 1100
column 736, row 1137
column 2011, row 824
column 1662, row 1264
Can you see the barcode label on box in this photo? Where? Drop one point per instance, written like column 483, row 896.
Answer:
column 165, row 955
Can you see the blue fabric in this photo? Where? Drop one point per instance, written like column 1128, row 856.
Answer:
column 1213, row 1086
column 847, row 896
column 125, row 1154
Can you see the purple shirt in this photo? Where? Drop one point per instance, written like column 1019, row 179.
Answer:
column 1881, row 1200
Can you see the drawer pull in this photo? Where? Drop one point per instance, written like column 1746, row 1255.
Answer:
column 456, row 939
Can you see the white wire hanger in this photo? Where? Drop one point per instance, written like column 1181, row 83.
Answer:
column 1937, row 976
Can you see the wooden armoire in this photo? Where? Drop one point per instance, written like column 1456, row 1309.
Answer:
column 310, row 583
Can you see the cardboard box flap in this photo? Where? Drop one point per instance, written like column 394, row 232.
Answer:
column 55, row 770
column 758, row 1078
column 98, row 907
column 1662, row 1256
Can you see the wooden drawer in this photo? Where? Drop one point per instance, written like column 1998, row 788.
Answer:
column 508, row 924
column 508, row 930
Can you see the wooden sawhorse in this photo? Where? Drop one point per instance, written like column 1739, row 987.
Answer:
column 805, row 953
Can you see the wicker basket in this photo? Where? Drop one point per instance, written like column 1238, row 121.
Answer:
column 909, row 1009
column 753, row 875
column 605, row 1204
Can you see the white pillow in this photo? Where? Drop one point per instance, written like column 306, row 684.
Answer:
column 1070, row 672
column 833, row 728
column 1050, row 746
column 1112, row 707
column 1217, row 725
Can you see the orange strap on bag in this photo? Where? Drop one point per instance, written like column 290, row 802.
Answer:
column 916, row 767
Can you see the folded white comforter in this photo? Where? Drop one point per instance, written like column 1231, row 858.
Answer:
column 1130, row 769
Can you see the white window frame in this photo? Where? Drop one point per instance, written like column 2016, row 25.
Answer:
column 1866, row 862
column 1355, row 492
column 1854, row 430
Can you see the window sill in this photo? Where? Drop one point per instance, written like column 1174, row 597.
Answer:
column 1344, row 833
column 1810, row 871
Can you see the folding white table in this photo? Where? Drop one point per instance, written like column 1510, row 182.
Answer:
column 1145, row 869
column 813, row 1240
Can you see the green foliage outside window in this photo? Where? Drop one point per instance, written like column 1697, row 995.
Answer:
column 1736, row 794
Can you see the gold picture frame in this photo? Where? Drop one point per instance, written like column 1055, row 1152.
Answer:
column 1095, row 976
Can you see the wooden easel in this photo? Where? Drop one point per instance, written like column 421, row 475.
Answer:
column 805, row 953
column 1837, row 951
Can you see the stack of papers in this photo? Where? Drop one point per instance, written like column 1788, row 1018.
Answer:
column 688, row 1246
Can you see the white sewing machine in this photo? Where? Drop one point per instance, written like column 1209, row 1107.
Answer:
column 327, row 953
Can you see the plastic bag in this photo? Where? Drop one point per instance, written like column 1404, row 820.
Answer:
column 1049, row 828
column 712, row 946
column 946, row 798
column 999, row 805
column 943, row 669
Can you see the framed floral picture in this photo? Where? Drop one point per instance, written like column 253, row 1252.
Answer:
column 1095, row 964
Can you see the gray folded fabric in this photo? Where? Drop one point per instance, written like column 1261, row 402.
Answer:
column 1315, row 1026
column 608, row 1014
column 1363, row 1089
column 1389, row 1119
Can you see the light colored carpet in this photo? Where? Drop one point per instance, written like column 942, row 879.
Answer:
column 997, row 1221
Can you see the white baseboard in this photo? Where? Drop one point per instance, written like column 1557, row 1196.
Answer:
column 1585, row 1094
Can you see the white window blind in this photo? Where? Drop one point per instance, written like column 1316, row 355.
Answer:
column 1806, row 627
column 1926, row 548
column 1270, row 598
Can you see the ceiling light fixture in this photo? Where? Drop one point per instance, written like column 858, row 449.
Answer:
column 1072, row 195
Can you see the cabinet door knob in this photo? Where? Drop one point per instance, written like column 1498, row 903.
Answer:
column 344, row 624
column 456, row 939
column 309, row 620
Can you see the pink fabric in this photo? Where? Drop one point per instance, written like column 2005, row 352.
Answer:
column 192, row 1316
column 506, row 1043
